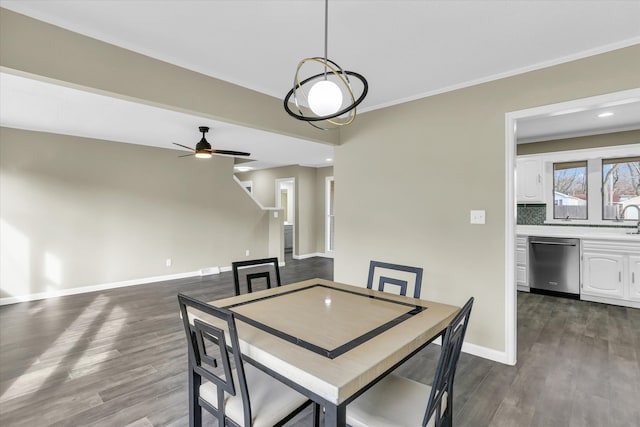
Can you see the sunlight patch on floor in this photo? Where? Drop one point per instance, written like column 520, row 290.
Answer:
column 97, row 328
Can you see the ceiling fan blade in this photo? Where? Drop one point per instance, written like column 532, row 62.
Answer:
column 183, row 146
column 187, row 155
column 231, row 153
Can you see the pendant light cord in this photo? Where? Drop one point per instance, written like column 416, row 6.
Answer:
column 326, row 37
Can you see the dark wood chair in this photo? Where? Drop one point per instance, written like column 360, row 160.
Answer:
column 385, row 280
column 251, row 271
column 235, row 393
column 399, row 401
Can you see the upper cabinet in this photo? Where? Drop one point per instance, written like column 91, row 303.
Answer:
column 529, row 180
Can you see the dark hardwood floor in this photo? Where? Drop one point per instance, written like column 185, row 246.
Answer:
column 118, row 358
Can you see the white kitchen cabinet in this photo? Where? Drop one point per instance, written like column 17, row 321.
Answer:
column 521, row 264
column 634, row 284
column 529, row 177
column 611, row 272
column 602, row 274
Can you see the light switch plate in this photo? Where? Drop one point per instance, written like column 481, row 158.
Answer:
column 477, row 217
column 275, row 214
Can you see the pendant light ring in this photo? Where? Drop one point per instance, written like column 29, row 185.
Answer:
column 342, row 76
column 330, row 97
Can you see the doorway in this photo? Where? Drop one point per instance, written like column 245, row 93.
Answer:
column 511, row 138
column 329, row 217
column 286, row 200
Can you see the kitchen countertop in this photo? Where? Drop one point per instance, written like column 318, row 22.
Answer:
column 603, row 233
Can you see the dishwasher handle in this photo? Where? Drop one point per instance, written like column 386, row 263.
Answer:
column 537, row 242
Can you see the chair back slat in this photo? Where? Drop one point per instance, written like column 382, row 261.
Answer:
column 449, row 355
column 205, row 340
column 251, row 272
column 383, row 280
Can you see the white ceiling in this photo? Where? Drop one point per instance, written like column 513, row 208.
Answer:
column 45, row 107
column 406, row 49
column 597, row 119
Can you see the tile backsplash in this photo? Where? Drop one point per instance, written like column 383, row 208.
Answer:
column 532, row 214
column 535, row 214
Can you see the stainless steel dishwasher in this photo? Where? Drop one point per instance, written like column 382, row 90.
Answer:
column 554, row 265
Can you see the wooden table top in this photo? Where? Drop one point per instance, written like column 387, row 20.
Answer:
column 332, row 338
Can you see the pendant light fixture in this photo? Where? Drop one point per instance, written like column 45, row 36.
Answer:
column 325, row 99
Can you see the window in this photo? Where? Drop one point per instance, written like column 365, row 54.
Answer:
column 248, row 185
column 620, row 187
column 570, row 190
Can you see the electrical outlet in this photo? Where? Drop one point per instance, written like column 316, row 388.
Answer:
column 246, row 253
column 168, row 262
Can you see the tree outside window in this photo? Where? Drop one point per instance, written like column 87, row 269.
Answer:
column 620, row 187
column 570, row 190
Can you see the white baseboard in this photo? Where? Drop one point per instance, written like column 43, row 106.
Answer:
column 485, row 352
column 94, row 288
column 229, row 268
column 313, row 254
column 480, row 351
column 304, row 256
column 613, row 301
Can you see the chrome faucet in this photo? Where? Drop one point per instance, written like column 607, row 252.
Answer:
column 637, row 209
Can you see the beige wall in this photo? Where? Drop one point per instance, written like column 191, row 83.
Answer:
column 309, row 208
column 408, row 175
column 40, row 49
column 78, row 212
column 582, row 142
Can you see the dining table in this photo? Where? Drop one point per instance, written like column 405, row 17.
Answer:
column 332, row 341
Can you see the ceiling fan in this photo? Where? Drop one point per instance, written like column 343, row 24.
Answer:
column 203, row 149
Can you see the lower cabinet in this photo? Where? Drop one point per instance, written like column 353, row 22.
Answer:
column 611, row 271
column 602, row 274
column 634, row 285
column 522, row 283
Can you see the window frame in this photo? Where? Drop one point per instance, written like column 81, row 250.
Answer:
column 594, row 157
column 611, row 160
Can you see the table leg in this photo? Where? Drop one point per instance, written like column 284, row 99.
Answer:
column 335, row 416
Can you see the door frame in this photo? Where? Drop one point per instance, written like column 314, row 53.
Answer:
column 291, row 199
column 511, row 119
column 328, row 250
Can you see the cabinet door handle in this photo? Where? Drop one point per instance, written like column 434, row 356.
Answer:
column 619, row 276
column 539, row 178
column 633, row 277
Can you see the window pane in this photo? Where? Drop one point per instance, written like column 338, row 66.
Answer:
column 570, row 190
column 620, row 187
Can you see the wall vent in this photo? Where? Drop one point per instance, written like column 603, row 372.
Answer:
column 209, row 271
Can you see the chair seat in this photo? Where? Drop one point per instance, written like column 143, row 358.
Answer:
column 393, row 402
column 269, row 398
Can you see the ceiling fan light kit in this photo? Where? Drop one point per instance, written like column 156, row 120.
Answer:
column 203, row 149
column 325, row 99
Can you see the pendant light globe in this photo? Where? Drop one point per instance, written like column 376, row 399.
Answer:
column 325, row 98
